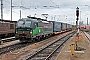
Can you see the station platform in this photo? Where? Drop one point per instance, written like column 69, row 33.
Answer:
column 82, row 43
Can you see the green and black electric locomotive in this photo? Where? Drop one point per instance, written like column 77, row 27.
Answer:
column 30, row 29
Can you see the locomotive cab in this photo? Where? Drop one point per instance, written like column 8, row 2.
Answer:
column 24, row 28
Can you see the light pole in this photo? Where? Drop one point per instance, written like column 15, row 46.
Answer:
column 11, row 10
column 77, row 35
column 54, row 17
column 87, row 14
column 77, row 14
column 20, row 14
column 87, row 20
column 1, row 10
column 80, row 17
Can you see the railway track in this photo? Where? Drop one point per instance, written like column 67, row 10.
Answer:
column 48, row 51
column 87, row 35
column 8, row 39
column 13, row 47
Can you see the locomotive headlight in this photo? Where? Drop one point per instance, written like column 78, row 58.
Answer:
column 23, row 32
column 16, row 32
column 31, row 32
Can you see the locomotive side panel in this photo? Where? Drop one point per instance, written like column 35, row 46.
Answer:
column 45, row 28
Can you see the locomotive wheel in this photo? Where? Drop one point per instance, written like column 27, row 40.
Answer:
column 38, row 39
column 30, row 40
column 33, row 40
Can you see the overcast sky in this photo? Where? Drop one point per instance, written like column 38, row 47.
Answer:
column 58, row 10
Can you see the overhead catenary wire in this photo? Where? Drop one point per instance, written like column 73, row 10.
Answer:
column 15, row 5
column 12, row 3
column 57, row 6
column 9, row 2
column 21, row 6
column 53, row 2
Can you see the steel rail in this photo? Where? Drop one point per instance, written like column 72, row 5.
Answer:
column 56, row 49
column 52, row 51
column 87, row 36
column 12, row 47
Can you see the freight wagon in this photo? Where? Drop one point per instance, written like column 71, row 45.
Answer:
column 64, row 27
column 57, row 26
column 68, row 27
column 7, row 28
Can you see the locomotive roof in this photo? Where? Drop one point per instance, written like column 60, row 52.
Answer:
column 37, row 18
column 45, row 21
column 34, row 20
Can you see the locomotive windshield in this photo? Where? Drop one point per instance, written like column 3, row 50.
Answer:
column 20, row 24
column 24, row 23
column 27, row 23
